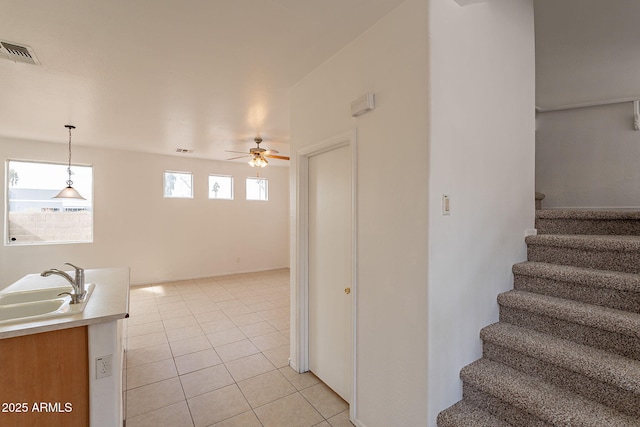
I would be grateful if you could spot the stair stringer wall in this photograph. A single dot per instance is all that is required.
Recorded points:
(481, 136)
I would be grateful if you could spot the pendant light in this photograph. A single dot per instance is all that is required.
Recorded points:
(69, 192)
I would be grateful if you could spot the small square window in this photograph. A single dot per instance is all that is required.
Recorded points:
(221, 187)
(178, 184)
(257, 189)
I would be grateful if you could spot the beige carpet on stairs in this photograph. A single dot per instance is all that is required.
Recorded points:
(566, 351)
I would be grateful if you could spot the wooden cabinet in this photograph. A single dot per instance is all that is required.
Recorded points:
(44, 379)
(48, 366)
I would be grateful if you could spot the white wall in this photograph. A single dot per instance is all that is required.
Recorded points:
(390, 60)
(482, 155)
(586, 50)
(588, 158)
(160, 239)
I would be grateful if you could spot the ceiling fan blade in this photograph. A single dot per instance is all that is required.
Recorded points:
(270, 151)
(239, 152)
(238, 157)
(277, 157)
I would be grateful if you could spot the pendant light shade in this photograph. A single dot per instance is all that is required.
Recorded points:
(69, 192)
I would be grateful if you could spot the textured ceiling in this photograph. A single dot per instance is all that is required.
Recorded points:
(152, 76)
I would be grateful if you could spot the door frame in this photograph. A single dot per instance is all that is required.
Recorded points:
(347, 139)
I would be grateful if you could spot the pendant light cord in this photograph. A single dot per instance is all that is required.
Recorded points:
(69, 182)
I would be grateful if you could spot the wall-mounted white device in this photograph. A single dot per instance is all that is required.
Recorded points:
(446, 204)
(104, 366)
(363, 104)
(468, 2)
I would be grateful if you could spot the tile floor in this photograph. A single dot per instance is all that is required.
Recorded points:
(214, 352)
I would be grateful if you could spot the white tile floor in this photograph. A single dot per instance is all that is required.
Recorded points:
(214, 352)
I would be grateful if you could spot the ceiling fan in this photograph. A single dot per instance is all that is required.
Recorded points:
(258, 155)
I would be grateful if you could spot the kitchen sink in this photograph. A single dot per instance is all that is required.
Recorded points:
(34, 295)
(25, 310)
(39, 304)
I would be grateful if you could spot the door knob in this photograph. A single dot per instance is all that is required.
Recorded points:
(347, 291)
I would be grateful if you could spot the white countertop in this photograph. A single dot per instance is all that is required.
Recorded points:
(109, 301)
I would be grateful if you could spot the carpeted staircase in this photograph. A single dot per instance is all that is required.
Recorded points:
(566, 351)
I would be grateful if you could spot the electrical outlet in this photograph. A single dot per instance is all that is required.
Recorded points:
(104, 366)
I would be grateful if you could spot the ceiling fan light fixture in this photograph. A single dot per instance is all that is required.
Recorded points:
(258, 155)
(258, 162)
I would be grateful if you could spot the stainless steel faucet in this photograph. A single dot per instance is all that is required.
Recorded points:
(77, 284)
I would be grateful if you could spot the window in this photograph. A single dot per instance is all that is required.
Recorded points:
(257, 189)
(178, 184)
(34, 216)
(221, 187)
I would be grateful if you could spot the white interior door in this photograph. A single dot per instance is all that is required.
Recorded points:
(330, 268)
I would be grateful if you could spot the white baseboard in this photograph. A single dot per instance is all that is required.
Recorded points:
(204, 276)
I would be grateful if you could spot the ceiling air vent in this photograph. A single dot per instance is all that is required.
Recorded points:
(18, 53)
(184, 150)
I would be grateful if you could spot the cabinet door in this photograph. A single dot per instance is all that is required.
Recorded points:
(44, 379)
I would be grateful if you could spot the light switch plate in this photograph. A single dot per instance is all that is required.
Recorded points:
(446, 204)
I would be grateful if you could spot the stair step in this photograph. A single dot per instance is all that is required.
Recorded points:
(567, 349)
(614, 253)
(605, 222)
(595, 374)
(527, 400)
(464, 414)
(600, 327)
(599, 287)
